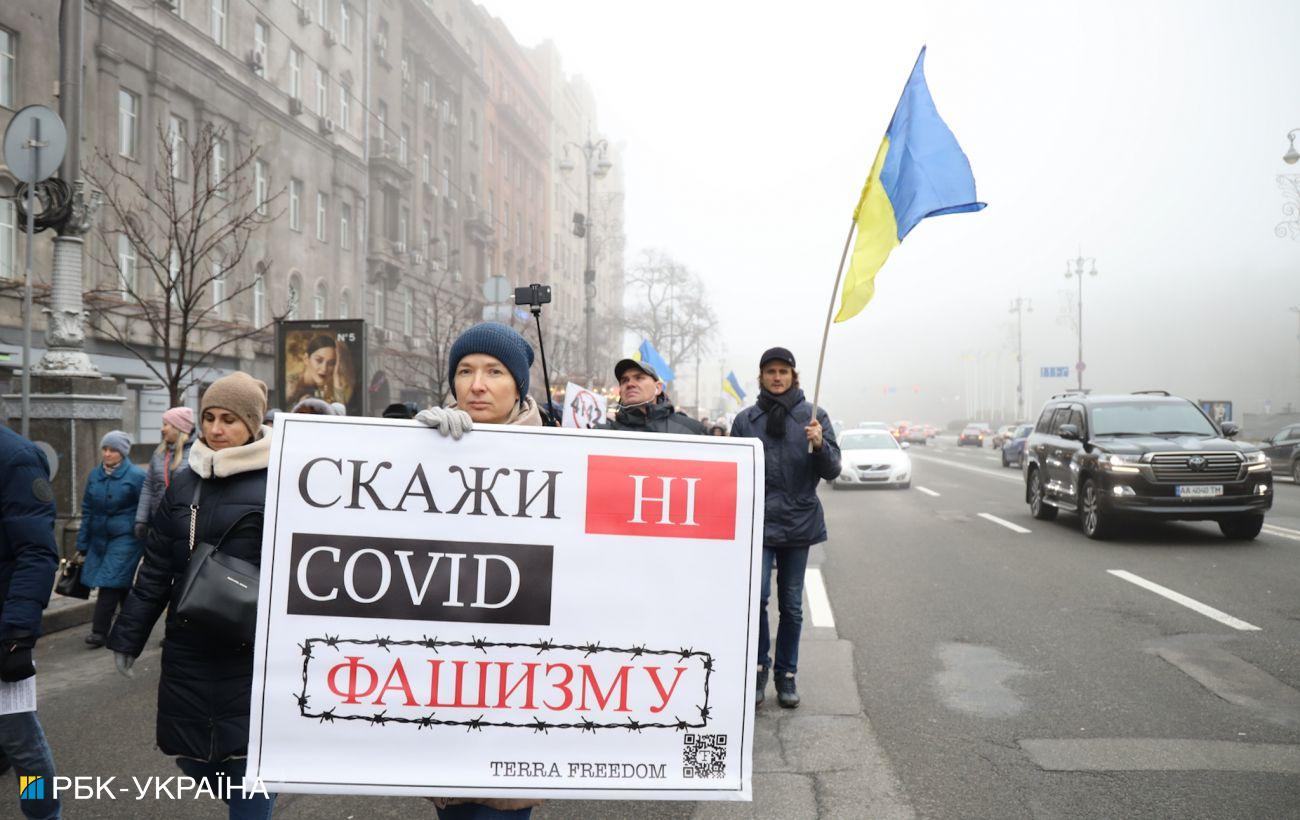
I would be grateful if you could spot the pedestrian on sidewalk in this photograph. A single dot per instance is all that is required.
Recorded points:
(798, 451)
(28, 560)
(489, 377)
(644, 406)
(107, 539)
(167, 460)
(207, 676)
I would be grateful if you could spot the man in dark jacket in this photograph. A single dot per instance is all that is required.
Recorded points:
(798, 451)
(644, 407)
(28, 559)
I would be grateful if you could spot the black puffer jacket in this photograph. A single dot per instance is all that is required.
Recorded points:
(660, 417)
(792, 513)
(206, 682)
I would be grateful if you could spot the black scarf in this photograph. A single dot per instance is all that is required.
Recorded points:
(777, 407)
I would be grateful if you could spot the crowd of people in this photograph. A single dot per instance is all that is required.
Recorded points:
(206, 482)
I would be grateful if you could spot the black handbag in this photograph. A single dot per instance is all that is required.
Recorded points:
(218, 591)
(69, 582)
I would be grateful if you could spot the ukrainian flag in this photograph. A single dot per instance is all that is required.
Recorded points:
(731, 386)
(920, 171)
(647, 353)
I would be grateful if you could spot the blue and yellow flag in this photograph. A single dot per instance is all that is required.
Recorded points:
(731, 387)
(647, 353)
(920, 171)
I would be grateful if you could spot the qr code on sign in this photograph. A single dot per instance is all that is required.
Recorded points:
(704, 756)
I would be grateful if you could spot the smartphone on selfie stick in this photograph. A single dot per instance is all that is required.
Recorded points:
(535, 296)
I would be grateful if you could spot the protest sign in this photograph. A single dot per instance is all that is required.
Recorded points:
(523, 612)
(582, 407)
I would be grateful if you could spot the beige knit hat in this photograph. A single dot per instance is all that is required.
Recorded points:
(242, 395)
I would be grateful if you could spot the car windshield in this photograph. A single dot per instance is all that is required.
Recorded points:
(973, 429)
(868, 441)
(1024, 430)
(1150, 418)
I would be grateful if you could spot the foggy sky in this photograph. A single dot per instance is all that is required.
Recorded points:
(1147, 134)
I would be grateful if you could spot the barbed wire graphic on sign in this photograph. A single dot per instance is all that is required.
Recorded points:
(541, 646)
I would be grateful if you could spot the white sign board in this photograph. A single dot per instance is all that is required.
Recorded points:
(582, 407)
(523, 612)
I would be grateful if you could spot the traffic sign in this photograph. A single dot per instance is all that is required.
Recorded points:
(496, 290)
(1054, 372)
(1080, 366)
(34, 143)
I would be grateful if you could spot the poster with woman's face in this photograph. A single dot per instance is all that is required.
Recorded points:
(323, 360)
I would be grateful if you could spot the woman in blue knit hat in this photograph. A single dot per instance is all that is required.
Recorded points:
(107, 539)
(488, 370)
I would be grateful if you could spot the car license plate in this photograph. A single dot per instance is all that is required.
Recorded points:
(1199, 490)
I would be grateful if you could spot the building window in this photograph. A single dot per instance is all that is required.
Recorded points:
(128, 123)
(322, 92)
(220, 152)
(323, 12)
(8, 63)
(491, 144)
(219, 300)
(295, 74)
(425, 163)
(126, 266)
(381, 115)
(345, 24)
(261, 186)
(345, 105)
(380, 311)
(295, 204)
(321, 212)
(259, 301)
(261, 37)
(173, 278)
(295, 295)
(345, 304)
(473, 126)
(345, 226)
(8, 239)
(401, 145)
(408, 313)
(176, 128)
(446, 176)
(217, 21)
(318, 302)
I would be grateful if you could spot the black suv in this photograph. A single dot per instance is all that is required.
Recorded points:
(1147, 455)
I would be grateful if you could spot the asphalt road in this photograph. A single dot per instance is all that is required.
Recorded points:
(1007, 672)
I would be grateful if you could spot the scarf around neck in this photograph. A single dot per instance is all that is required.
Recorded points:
(778, 407)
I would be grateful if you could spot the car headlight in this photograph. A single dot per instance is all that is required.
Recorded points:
(1121, 463)
(1257, 461)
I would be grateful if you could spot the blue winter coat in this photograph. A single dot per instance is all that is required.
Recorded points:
(792, 513)
(107, 536)
(28, 556)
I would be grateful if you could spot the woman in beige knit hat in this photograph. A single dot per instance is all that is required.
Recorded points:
(207, 674)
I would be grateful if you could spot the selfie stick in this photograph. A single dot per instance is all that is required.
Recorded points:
(536, 308)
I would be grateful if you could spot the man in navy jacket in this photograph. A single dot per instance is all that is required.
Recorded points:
(798, 451)
(28, 559)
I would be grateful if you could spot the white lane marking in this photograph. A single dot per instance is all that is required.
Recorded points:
(1190, 603)
(819, 603)
(927, 491)
(1282, 532)
(1003, 522)
(1008, 477)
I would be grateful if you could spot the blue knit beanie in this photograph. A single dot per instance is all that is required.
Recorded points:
(500, 342)
(117, 440)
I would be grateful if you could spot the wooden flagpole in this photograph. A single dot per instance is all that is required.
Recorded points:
(830, 314)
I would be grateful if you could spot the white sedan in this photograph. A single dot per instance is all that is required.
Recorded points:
(872, 457)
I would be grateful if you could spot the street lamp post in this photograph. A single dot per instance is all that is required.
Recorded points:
(597, 165)
(1020, 307)
(1077, 272)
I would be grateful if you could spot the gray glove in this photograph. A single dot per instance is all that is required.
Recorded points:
(124, 663)
(446, 420)
(141, 529)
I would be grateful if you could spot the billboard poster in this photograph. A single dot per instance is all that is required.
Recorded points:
(582, 407)
(322, 359)
(525, 612)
